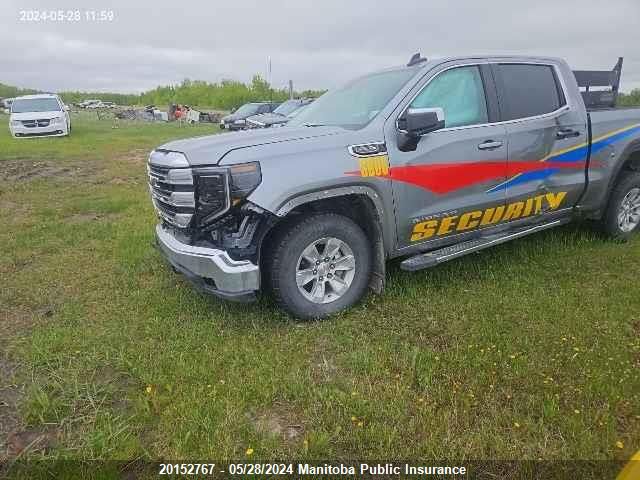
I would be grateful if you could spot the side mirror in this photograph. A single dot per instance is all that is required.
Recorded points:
(416, 122)
(420, 121)
(66, 108)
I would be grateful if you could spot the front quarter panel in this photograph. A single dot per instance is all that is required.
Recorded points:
(321, 165)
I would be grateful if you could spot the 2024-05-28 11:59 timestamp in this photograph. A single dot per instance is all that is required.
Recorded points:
(75, 16)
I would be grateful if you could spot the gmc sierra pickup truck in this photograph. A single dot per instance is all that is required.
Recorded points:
(428, 161)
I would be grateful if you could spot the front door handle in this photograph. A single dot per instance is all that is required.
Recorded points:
(489, 145)
(567, 133)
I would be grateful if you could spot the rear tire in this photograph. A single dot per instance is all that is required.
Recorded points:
(622, 217)
(319, 265)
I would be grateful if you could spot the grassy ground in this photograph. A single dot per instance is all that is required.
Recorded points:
(530, 350)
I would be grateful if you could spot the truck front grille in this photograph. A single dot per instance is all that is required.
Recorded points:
(172, 193)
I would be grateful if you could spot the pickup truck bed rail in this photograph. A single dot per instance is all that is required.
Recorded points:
(598, 99)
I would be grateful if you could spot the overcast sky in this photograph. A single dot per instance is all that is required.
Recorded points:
(317, 44)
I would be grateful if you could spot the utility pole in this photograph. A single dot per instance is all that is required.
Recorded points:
(291, 89)
(269, 77)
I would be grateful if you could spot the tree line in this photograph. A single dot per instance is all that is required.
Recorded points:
(225, 95)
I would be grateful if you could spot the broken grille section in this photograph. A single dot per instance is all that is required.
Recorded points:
(172, 193)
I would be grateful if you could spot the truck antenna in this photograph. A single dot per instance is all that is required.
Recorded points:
(416, 59)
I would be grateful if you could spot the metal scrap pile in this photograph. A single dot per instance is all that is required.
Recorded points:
(149, 114)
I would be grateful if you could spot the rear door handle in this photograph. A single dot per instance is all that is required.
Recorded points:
(567, 133)
(489, 145)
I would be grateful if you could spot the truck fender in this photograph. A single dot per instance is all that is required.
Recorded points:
(382, 237)
(631, 149)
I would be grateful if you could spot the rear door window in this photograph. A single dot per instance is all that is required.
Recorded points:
(528, 90)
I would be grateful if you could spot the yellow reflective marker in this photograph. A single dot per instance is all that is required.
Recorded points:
(631, 471)
(377, 166)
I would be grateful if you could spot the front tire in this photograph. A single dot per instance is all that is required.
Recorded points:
(320, 265)
(622, 218)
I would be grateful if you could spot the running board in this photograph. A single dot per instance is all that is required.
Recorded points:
(436, 257)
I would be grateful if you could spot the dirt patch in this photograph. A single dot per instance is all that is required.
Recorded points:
(20, 319)
(138, 156)
(280, 420)
(30, 440)
(24, 171)
(16, 320)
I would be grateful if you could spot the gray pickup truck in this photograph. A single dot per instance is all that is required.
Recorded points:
(429, 161)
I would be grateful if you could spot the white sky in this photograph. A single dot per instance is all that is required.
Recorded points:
(316, 44)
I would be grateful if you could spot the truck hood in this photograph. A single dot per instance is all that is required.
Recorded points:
(210, 149)
(36, 115)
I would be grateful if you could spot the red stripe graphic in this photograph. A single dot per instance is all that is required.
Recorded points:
(446, 177)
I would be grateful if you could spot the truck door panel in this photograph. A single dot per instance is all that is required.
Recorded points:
(443, 187)
(547, 138)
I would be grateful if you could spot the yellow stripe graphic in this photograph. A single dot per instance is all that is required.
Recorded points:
(576, 147)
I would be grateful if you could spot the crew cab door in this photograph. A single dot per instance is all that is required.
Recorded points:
(547, 139)
(443, 188)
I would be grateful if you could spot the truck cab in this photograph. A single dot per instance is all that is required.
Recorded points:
(428, 161)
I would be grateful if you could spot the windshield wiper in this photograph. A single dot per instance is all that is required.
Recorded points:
(314, 125)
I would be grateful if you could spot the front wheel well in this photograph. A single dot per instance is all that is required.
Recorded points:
(357, 207)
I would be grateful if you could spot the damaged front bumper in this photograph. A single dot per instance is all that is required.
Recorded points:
(211, 270)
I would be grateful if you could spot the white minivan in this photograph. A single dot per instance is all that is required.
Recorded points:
(42, 115)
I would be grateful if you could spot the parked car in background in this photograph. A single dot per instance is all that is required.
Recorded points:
(280, 116)
(238, 119)
(39, 116)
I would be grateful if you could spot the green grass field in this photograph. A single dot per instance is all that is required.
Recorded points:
(530, 350)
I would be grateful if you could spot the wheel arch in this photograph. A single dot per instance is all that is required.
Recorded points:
(361, 204)
(629, 161)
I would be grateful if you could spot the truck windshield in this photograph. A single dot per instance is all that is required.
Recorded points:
(357, 103)
(35, 105)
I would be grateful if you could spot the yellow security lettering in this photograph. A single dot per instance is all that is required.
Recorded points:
(480, 218)
(492, 215)
(446, 225)
(514, 210)
(538, 200)
(424, 230)
(528, 207)
(555, 199)
(469, 220)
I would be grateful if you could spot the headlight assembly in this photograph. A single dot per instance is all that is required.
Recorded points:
(244, 179)
(219, 188)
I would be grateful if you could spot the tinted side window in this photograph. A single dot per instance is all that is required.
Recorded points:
(529, 90)
(460, 93)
